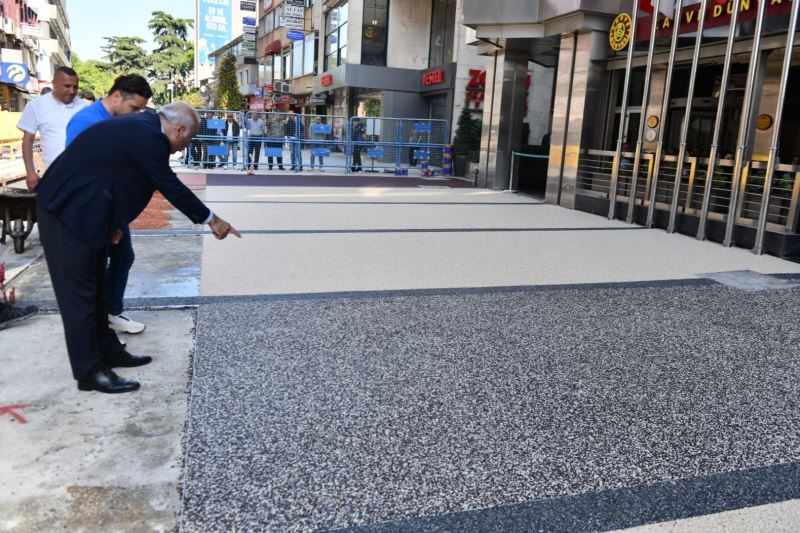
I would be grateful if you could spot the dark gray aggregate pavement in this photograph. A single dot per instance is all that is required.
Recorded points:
(327, 413)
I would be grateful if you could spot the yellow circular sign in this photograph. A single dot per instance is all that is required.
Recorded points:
(652, 121)
(764, 122)
(620, 33)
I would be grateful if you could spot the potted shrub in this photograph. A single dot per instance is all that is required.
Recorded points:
(467, 142)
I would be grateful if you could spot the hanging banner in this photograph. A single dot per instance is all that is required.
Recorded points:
(214, 28)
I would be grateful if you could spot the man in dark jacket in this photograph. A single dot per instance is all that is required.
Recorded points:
(96, 187)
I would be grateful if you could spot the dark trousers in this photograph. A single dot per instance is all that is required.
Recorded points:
(120, 261)
(356, 159)
(253, 153)
(78, 274)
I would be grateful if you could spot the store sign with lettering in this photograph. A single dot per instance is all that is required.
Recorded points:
(718, 13)
(434, 77)
(292, 23)
(476, 89)
(326, 80)
(247, 6)
(294, 8)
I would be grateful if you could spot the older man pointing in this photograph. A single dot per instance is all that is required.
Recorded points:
(95, 188)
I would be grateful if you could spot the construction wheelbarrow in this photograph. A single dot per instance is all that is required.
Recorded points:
(18, 212)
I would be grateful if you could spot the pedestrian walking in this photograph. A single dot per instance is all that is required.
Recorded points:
(255, 129)
(101, 183)
(129, 94)
(48, 115)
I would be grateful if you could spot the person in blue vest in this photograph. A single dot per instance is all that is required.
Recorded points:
(92, 191)
(129, 94)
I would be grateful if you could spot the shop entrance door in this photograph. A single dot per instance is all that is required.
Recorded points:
(633, 118)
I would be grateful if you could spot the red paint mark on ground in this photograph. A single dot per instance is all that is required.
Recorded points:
(11, 410)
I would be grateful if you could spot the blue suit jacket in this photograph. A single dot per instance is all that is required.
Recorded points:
(107, 175)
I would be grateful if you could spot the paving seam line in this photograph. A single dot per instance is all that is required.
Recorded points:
(189, 302)
(195, 233)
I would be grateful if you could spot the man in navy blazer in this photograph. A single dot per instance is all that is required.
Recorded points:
(96, 187)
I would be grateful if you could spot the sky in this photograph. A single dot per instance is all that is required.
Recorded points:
(91, 20)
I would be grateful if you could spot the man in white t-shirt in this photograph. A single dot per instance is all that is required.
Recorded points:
(49, 116)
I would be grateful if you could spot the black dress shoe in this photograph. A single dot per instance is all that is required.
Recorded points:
(124, 359)
(107, 381)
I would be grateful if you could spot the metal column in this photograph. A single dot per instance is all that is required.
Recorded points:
(662, 125)
(673, 212)
(744, 125)
(776, 131)
(612, 194)
(723, 92)
(645, 98)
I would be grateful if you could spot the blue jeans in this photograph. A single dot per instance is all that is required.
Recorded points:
(297, 156)
(119, 265)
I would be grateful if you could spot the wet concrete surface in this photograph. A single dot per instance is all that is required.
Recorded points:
(164, 266)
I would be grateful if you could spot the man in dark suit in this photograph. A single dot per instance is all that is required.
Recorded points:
(96, 187)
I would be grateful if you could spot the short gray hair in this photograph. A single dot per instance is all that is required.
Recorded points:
(181, 114)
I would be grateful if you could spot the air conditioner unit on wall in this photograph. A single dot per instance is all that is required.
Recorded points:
(285, 87)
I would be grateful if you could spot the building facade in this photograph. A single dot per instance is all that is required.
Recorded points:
(35, 34)
(410, 59)
(686, 125)
(404, 58)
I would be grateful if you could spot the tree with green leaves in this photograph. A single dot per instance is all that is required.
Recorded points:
(95, 76)
(125, 55)
(193, 98)
(227, 94)
(173, 59)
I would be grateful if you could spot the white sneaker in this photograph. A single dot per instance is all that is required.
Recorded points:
(124, 324)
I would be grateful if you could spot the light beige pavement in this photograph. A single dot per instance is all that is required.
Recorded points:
(783, 517)
(325, 252)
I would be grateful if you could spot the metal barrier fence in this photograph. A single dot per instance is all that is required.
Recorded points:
(694, 197)
(292, 141)
(219, 142)
(397, 144)
(289, 141)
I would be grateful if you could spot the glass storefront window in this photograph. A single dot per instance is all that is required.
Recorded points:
(374, 32)
(297, 59)
(443, 23)
(309, 53)
(336, 36)
(277, 68)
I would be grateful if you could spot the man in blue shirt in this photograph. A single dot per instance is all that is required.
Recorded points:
(129, 94)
